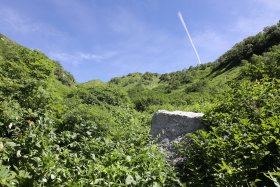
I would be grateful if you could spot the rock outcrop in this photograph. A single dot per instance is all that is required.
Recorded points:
(167, 126)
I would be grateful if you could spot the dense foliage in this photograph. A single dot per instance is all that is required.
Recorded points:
(244, 50)
(193, 89)
(55, 132)
(242, 147)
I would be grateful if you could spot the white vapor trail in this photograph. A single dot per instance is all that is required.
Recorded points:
(186, 29)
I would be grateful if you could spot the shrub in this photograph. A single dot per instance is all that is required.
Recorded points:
(243, 142)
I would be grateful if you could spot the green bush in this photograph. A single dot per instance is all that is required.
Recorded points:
(243, 142)
(145, 99)
(267, 65)
(101, 95)
(196, 86)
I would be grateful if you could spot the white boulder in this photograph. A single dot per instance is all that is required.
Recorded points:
(169, 126)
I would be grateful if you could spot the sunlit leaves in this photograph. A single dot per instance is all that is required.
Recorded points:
(243, 141)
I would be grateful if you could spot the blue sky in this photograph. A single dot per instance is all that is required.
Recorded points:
(102, 39)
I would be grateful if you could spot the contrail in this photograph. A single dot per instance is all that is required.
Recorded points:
(186, 29)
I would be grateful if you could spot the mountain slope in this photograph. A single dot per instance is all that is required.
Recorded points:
(197, 88)
(55, 132)
(242, 145)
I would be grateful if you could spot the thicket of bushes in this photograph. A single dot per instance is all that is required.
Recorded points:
(242, 147)
(55, 132)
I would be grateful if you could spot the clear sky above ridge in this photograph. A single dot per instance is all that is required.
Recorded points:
(102, 39)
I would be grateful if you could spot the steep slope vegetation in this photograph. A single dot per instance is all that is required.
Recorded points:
(55, 132)
(240, 94)
(242, 146)
(193, 89)
(197, 88)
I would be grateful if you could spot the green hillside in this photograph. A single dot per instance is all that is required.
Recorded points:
(196, 89)
(55, 132)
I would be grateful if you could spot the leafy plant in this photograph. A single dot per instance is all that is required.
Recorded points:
(243, 142)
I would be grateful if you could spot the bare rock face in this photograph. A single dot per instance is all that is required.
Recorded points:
(168, 126)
